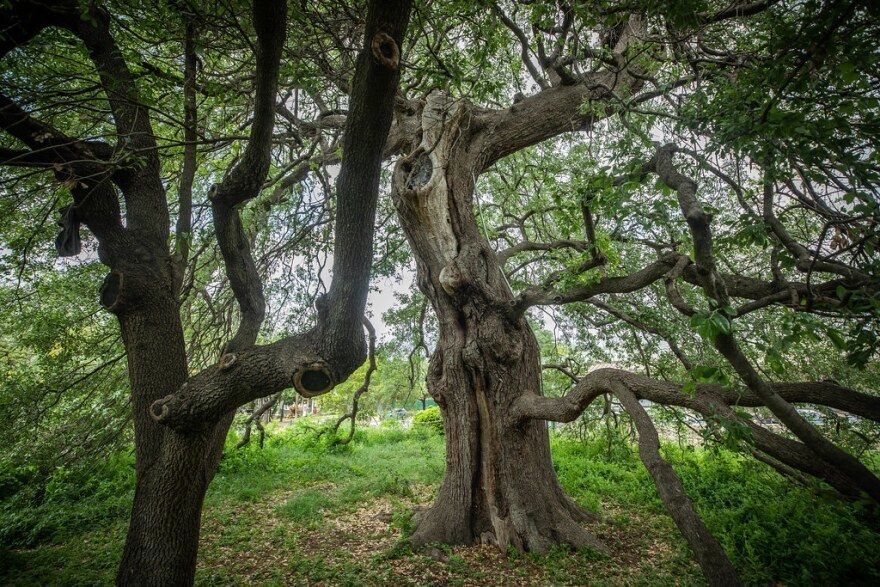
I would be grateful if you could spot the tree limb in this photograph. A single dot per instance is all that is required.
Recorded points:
(316, 360)
(712, 558)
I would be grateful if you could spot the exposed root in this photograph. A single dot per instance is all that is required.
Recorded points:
(441, 523)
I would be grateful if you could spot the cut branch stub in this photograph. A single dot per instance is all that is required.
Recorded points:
(159, 410)
(313, 380)
(111, 292)
(385, 51)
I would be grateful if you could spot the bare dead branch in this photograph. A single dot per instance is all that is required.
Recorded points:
(351, 416)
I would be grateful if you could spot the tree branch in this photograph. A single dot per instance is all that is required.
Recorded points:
(595, 383)
(698, 222)
(712, 558)
(313, 362)
(183, 231)
(245, 180)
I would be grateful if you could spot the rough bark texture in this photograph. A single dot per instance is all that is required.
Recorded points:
(173, 471)
(500, 486)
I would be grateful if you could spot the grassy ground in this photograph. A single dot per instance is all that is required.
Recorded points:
(298, 512)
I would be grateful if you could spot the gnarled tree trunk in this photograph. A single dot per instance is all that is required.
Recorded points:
(500, 486)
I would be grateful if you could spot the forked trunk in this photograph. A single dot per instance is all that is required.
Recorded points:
(500, 486)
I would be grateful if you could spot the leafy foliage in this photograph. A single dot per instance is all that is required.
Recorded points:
(430, 419)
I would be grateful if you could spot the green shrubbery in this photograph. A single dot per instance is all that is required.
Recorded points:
(773, 530)
(429, 419)
(51, 508)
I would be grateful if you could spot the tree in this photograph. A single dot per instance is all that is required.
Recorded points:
(663, 180)
(485, 371)
(181, 420)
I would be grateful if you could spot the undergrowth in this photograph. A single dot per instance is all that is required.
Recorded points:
(69, 529)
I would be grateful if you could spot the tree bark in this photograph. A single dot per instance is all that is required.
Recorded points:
(172, 470)
(500, 487)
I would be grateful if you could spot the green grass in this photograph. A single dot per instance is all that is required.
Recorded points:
(772, 530)
(303, 510)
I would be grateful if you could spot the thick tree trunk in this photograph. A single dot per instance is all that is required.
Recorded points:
(172, 470)
(500, 486)
(163, 535)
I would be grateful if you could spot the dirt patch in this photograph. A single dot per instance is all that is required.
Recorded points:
(367, 546)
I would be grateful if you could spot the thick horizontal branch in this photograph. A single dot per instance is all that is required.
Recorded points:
(714, 401)
(49, 146)
(560, 108)
(25, 158)
(24, 20)
(241, 377)
(538, 296)
(737, 10)
(762, 293)
(568, 407)
(544, 115)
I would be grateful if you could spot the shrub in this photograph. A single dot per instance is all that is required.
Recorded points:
(429, 419)
(64, 503)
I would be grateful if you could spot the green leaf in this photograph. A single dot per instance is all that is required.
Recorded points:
(836, 339)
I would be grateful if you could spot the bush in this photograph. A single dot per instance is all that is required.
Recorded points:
(37, 509)
(429, 419)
